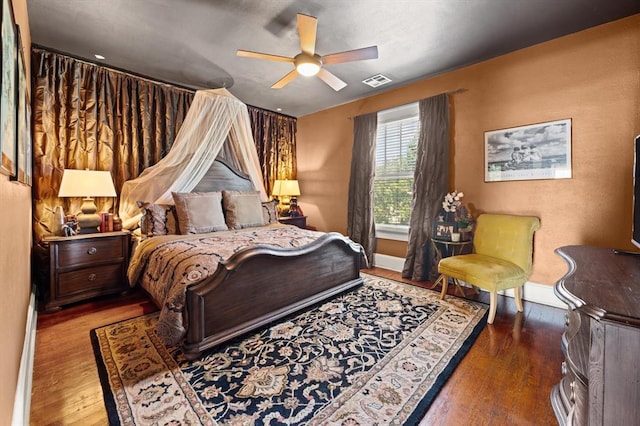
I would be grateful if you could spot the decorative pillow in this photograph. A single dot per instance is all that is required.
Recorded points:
(157, 219)
(270, 211)
(242, 209)
(199, 212)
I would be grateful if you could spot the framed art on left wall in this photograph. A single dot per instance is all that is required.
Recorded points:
(23, 140)
(8, 98)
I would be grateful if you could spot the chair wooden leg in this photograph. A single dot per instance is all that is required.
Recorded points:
(517, 297)
(493, 304)
(459, 286)
(445, 283)
(435, 283)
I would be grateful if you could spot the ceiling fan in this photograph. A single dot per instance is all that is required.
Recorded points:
(308, 62)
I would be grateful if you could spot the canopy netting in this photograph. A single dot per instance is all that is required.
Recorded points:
(215, 119)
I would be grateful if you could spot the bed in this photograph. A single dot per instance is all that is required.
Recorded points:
(225, 292)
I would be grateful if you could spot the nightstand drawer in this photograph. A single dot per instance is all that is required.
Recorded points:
(85, 266)
(89, 251)
(84, 281)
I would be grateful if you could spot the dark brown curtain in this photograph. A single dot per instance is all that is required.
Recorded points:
(275, 138)
(360, 219)
(431, 182)
(90, 117)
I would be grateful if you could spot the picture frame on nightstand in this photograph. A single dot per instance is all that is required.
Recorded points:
(444, 230)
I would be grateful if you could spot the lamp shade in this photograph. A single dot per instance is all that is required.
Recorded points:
(286, 187)
(86, 183)
(276, 188)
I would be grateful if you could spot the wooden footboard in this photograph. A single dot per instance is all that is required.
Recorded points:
(261, 284)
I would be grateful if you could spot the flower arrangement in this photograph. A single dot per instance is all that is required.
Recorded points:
(456, 211)
(452, 201)
(463, 218)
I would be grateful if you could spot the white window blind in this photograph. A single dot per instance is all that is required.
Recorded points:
(396, 144)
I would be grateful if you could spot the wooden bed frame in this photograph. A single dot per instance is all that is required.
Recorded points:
(260, 284)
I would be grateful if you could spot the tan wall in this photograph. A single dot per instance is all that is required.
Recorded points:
(592, 77)
(15, 263)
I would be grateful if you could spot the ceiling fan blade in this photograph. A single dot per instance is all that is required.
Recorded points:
(370, 52)
(333, 81)
(307, 28)
(285, 80)
(258, 55)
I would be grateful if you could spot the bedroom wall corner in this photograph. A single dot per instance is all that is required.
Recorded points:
(15, 262)
(589, 76)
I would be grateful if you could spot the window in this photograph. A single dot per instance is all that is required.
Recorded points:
(396, 147)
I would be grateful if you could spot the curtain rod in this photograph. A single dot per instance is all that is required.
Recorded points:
(112, 68)
(134, 75)
(450, 92)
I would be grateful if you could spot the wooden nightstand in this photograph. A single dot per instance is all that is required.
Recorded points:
(299, 221)
(85, 266)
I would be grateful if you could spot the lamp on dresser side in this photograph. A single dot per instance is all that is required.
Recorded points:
(287, 191)
(87, 184)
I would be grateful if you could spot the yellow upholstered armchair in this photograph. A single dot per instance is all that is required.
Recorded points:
(502, 257)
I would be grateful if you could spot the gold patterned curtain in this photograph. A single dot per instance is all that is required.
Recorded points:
(90, 117)
(275, 138)
(86, 116)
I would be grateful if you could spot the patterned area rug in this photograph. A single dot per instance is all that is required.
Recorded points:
(378, 354)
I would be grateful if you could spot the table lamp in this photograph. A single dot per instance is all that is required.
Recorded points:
(287, 192)
(87, 184)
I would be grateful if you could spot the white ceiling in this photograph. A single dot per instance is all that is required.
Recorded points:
(193, 42)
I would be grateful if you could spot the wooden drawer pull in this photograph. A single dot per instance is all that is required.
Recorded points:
(92, 250)
(92, 277)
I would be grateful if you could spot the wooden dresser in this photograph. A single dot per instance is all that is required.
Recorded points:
(85, 266)
(601, 343)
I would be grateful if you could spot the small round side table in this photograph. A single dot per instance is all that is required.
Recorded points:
(445, 248)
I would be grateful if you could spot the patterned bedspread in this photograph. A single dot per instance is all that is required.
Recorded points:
(166, 265)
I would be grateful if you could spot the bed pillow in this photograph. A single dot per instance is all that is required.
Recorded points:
(242, 209)
(157, 219)
(199, 212)
(270, 211)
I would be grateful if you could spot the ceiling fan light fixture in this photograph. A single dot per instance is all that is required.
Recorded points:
(307, 65)
(308, 70)
(307, 62)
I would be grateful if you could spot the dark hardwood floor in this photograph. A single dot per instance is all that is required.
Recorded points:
(505, 379)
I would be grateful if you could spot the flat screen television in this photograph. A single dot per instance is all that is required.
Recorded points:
(636, 194)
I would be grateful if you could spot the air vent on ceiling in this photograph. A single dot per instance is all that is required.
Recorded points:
(376, 80)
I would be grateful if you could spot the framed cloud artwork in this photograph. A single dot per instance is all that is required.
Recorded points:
(534, 151)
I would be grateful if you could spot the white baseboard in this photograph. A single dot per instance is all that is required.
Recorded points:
(533, 292)
(22, 401)
(538, 293)
(388, 262)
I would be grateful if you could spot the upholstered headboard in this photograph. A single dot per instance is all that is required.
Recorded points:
(223, 176)
(241, 204)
